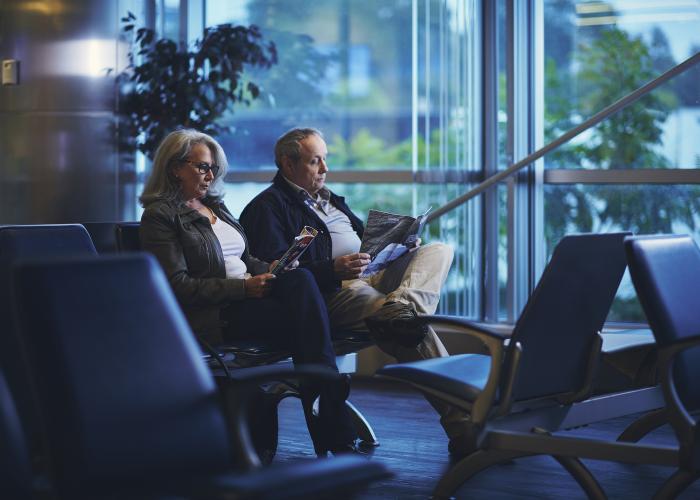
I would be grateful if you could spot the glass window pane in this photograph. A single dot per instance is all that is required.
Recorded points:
(641, 209)
(460, 229)
(502, 252)
(343, 67)
(394, 198)
(596, 53)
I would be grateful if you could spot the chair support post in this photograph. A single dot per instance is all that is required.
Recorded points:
(582, 476)
(364, 430)
(468, 467)
(582, 447)
(675, 484)
(643, 426)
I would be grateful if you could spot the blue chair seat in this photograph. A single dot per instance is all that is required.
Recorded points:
(463, 376)
(626, 340)
(260, 352)
(250, 346)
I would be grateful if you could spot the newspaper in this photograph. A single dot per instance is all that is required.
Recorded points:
(389, 236)
(300, 244)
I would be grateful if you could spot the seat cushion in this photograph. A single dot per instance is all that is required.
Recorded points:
(351, 336)
(463, 376)
(627, 339)
(251, 347)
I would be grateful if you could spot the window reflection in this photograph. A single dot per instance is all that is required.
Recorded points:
(597, 52)
(642, 209)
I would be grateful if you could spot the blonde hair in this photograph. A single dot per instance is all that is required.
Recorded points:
(162, 183)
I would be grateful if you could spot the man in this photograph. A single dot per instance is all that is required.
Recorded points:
(387, 302)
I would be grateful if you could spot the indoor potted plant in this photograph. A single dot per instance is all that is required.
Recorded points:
(167, 86)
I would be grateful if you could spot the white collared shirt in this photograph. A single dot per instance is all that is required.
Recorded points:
(343, 237)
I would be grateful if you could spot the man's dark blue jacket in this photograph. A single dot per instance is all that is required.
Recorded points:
(277, 215)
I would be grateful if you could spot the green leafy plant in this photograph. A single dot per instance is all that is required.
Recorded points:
(167, 86)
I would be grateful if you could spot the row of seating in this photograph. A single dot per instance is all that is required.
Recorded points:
(110, 386)
(539, 380)
(124, 237)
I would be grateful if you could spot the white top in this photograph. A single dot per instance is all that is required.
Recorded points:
(232, 246)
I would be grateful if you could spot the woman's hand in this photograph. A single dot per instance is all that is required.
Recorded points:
(259, 286)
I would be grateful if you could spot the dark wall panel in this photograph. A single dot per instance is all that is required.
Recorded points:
(58, 154)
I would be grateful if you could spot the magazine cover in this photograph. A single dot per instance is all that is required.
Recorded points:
(389, 236)
(298, 247)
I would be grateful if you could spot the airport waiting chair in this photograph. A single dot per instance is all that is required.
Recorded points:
(103, 236)
(127, 236)
(30, 242)
(665, 271)
(539, 379)
(131, 408)
(15, 464)
(251, 352)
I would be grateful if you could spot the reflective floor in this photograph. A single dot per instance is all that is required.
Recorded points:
(414, 447)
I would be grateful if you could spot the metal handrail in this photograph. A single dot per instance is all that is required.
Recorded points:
(592, 121)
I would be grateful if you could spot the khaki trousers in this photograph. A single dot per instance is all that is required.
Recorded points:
(417, 279)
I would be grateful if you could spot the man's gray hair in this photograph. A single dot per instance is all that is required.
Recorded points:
(163, 184)
(288, 145)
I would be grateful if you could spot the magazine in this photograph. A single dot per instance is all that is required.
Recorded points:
(300, 244)
(389, 236)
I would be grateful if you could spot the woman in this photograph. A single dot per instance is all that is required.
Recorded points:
(225, 292)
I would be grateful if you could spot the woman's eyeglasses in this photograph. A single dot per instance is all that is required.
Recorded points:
(203, 167)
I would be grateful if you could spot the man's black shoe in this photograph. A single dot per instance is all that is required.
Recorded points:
(398, 322)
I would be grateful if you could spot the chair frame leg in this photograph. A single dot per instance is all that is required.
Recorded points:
(364, 430)
(583, 476)
(675, 484)
(643, 426)
(362, 426)
(480, 460)
(469, 466)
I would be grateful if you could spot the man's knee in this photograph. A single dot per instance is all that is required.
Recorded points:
(437, 252)
(439, 248)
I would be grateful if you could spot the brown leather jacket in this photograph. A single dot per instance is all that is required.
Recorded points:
(189, 252)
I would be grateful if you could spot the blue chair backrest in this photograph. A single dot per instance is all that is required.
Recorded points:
(15, 469)
(125, 391)
(102, 236)
(569, 305)
(666, 275)
(128, 239)
(30, 242)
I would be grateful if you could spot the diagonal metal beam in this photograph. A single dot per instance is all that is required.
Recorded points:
(591, 122)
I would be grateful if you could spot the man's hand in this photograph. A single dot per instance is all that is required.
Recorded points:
(414, 245)
(259, 286)
(350, 266)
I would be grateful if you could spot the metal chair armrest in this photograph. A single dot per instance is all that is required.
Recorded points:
(269, 373)
(679, 416)
(493, 341)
